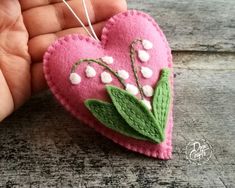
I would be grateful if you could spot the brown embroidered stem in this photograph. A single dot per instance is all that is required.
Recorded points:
(99, 62)
(133, 57)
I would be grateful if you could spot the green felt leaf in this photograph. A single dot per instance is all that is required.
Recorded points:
(107, 114)
(161, 99)
(135, 113)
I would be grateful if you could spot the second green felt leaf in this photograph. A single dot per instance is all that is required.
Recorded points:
(135, 113)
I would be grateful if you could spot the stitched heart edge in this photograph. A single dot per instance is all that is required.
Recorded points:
(161, 153)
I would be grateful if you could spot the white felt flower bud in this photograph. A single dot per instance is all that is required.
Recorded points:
(108, 59)
(147, 104)
(147, 44)
(123, 74)
(143, 55)
(106, 78)
(148, 91)
(90, 72)
(75, 78)
(132, 89)
(146, 72)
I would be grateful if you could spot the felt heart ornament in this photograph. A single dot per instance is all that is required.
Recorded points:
(121, 86)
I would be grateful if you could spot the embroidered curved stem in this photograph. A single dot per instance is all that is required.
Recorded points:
(99, 62)
(133, 57)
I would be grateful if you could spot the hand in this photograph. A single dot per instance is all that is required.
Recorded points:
(27, 28)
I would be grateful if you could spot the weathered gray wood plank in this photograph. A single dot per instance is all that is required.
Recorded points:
(41, 145)
(194, 25)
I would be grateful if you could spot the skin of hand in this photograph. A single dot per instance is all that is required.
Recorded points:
(27, 28)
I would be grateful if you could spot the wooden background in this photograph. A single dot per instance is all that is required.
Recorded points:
(41, 145)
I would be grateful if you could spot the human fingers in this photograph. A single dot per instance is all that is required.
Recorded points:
(51, 18)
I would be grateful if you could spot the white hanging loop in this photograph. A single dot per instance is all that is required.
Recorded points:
(80, 21)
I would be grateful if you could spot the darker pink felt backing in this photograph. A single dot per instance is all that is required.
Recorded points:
(117, 36)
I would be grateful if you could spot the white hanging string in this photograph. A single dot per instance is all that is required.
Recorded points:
(88, 19)
(80, 21)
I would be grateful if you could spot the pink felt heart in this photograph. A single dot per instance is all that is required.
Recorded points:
(119, 32)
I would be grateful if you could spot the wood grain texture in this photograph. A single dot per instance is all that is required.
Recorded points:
(41, 145)
(194, 25)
